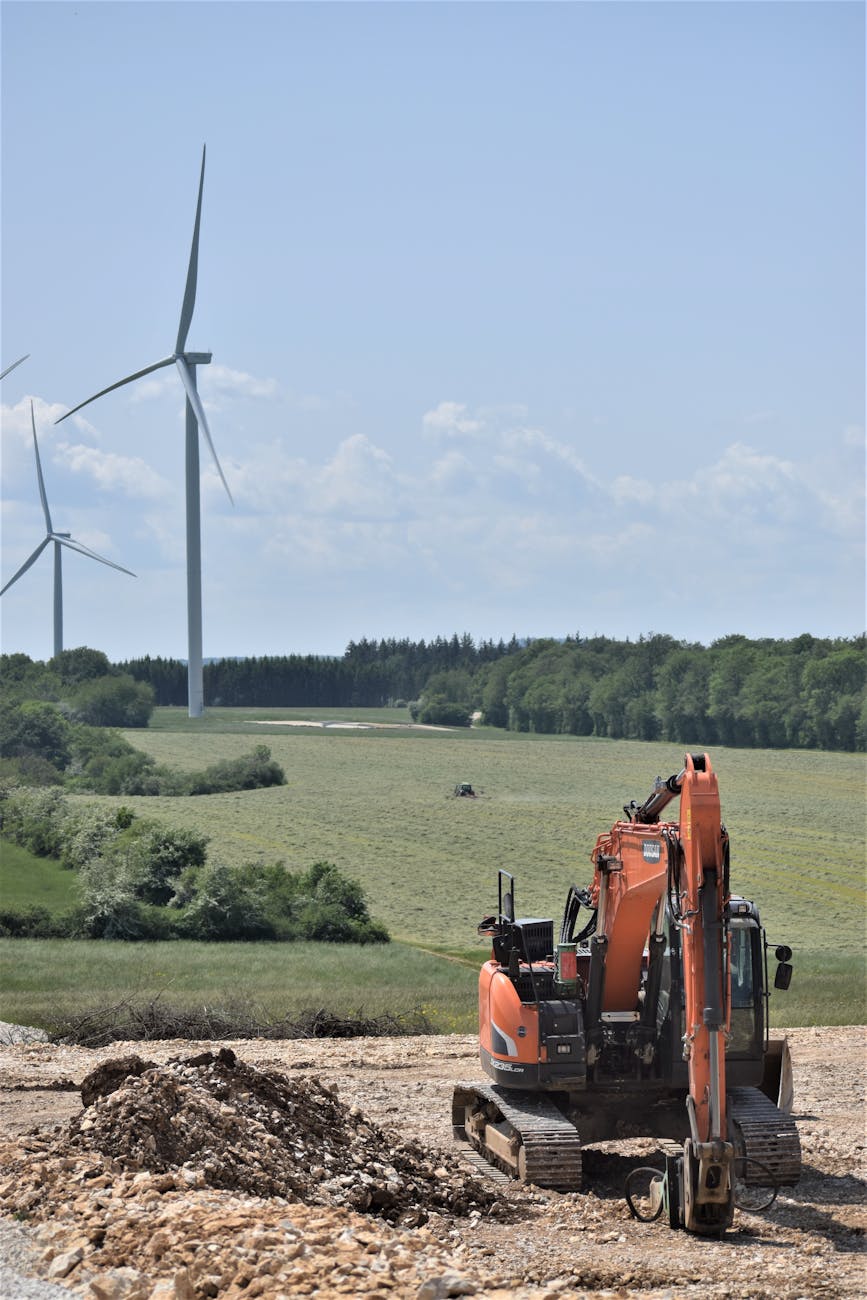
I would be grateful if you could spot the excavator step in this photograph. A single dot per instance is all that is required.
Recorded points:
(765, 1135)
(548, 1148)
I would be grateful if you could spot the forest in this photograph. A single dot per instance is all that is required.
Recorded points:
(804, 693)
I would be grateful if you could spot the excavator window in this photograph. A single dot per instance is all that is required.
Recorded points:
(742, 968)
(745, 1005)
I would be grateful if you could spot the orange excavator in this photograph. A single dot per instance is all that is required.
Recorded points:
(650, 1019)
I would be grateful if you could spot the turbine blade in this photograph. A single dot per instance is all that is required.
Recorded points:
(196, 403)
(120, 383)
(85, 550)
(8, 369)
(43, 498)
(27, 563)
(192, 270)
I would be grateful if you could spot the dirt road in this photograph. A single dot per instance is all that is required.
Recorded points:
(114, 1230)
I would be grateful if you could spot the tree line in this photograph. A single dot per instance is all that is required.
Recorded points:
(803, 693)
(369, 674)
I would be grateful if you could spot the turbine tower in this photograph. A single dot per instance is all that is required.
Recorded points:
(60, 540)
(186, 363)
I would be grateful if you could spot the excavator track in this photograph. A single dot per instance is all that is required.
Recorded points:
(763, 1133)
(547, 1146)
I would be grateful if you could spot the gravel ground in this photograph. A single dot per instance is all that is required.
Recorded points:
(551, 1246)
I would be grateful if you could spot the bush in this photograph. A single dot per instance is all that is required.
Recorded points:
(229, 903)
(35, 728)
(110, 908)
(330, 907)
(29, 769)
(440, 712)
(80, 664)
(253, 771)
(88, 832)
(35, 819)
(156, 857)
(31, 923)
(113, 702)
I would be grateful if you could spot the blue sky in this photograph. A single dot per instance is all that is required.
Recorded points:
(531, 318)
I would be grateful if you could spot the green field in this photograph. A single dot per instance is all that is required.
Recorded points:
(378, 803)
(28, 881)
(48, 980)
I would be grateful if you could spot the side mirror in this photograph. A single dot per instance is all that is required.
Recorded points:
(783, 977)
(783, 952)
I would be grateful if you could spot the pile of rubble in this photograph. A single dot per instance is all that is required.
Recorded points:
(214, 1121)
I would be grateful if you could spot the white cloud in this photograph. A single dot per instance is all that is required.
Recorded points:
(451, 420)
(236, 382)
(110, 472)
(561, 451)
(151, 387)
(358, 480)
(16, 419)
(626, 489)
(452, 472)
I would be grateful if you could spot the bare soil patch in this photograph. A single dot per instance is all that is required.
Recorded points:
(210, 1179)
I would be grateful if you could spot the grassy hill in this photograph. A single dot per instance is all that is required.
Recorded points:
(378, 803)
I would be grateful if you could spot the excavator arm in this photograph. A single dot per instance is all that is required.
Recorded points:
(697, 892)
(708, 1196)
(640, 865)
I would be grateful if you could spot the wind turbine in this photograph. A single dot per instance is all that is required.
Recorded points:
(186, 363)
(60, 540)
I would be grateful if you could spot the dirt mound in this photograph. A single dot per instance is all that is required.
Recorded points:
(224, 1124)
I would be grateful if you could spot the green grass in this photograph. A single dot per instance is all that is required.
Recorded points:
(44, 981)
(378, 803)
(50, 979)
(28, 881)
(828, 988)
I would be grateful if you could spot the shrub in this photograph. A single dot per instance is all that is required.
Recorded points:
(229, 903)
(30, 923)
(118, 701)
(35, 819)
(29, 769)
(36, 728)
(332, 908)
(156, 856)
(80, 664)
(110, 908)
(438, 711)
(252, 771)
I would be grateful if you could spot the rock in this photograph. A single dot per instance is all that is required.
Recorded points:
(178, 1287)
(447, 1284)
(213, 1120)
(119, 1284)
(64, 1263)
(106, 1078)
